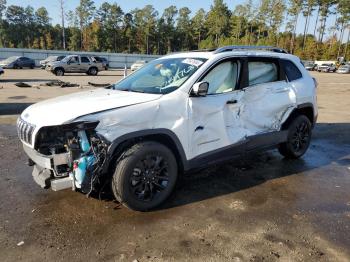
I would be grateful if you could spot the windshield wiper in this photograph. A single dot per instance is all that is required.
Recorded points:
(136, 91)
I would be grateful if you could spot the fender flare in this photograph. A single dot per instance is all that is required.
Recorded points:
(144, 134)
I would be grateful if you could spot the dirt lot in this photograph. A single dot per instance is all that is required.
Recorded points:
(260, 208)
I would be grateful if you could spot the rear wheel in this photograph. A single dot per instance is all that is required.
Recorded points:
(145, 176)
(92, 71)
(299, 137)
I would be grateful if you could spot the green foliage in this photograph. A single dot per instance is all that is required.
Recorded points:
(143, 30)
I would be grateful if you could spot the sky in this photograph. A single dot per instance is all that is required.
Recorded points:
(53, 7)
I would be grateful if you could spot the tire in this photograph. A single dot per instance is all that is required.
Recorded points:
(59, 72)
(31, 66)
(145, 177)
(299, 137)
(92, 71)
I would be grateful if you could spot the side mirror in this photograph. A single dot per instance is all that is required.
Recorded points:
(200, 89)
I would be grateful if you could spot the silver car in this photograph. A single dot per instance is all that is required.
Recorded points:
(344, 69)
(137, 65)
(49, 59)
(75, 64)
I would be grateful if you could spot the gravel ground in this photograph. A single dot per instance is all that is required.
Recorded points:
(258, 208)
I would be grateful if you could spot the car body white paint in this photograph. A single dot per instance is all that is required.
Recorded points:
(258, 110)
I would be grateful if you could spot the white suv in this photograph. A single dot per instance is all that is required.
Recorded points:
(177, 113)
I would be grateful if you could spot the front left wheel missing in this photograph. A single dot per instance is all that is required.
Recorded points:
(145, 176)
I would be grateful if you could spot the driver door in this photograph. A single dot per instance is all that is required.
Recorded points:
(213, 118)
(73, 65)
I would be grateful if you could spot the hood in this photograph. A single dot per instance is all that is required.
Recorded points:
(62, 109)
(55, 63)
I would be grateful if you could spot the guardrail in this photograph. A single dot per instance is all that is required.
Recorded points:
(116, 60)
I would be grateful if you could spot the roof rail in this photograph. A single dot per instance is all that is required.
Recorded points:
(248, 47)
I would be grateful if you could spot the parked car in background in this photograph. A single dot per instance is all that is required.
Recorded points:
(16, 62)
(102, 60)
(75, 64)
(1, 71)
(49, 59)
(137, 65)
(344, 69)
(327, 68)
(310, 66)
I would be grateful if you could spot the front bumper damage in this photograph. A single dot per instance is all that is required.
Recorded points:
(67, 156)
(46, 166)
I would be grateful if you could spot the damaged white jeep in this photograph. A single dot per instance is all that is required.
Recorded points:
(177, 113)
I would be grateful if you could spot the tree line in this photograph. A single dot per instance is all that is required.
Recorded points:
(144, 30)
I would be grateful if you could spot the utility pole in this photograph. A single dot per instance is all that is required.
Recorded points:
(63, 29)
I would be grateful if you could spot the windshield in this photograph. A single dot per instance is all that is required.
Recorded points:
(11, 59)
(160, 76)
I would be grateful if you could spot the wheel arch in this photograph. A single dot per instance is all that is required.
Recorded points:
(59, 67)
(163, 136)
(306, 109)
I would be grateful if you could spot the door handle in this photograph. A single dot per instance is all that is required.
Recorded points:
(230, 102)
(281, 89)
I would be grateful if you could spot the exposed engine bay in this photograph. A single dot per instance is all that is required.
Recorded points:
(77, 155)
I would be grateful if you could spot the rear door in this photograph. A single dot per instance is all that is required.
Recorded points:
(85, 64)
(266, 97)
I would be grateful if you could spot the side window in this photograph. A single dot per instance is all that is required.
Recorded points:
(223, 77)
(84, 59)
(261, 72)
(292, 72)
(74, 60)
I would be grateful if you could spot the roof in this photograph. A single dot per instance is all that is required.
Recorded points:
(233, 50)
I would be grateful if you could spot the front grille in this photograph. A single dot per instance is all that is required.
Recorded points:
(25, 130)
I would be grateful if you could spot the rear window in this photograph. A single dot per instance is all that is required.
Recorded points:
(292, 72)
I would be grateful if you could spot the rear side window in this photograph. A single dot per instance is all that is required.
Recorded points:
(84, 59)
(292, 72)
(261, 72)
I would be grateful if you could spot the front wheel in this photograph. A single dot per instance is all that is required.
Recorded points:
(59, 72)
(145, 177)
(299, 137)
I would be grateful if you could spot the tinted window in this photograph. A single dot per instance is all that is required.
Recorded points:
(262, 72)
(291, 70)
(222, 78)
(84, 59)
